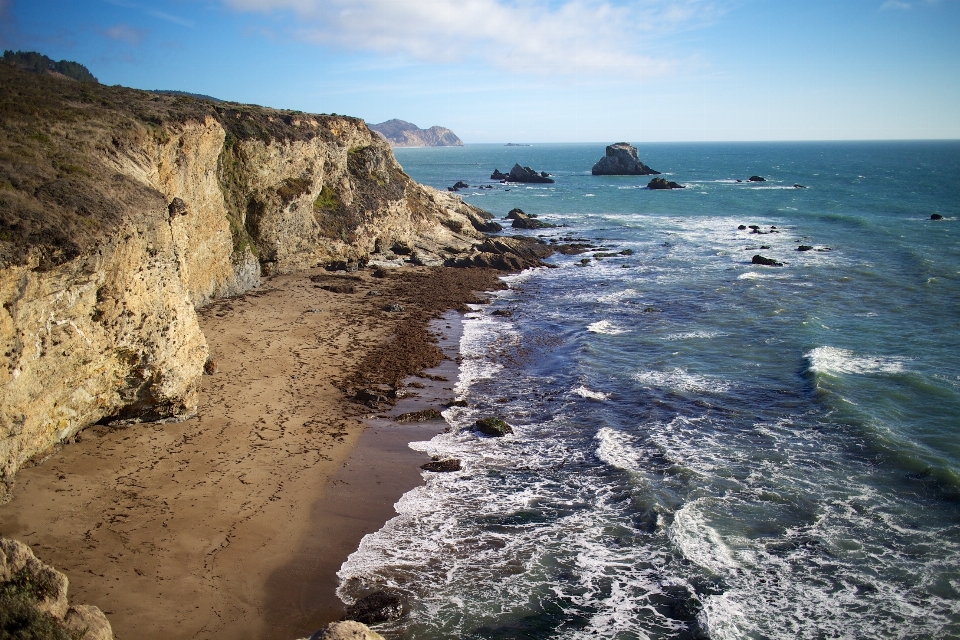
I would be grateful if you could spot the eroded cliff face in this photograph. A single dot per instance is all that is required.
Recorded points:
(122, 211)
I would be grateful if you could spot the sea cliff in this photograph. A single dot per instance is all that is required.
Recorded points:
(123, 211)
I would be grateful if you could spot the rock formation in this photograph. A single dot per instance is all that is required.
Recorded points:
(122, 211)
(522, 174)
(622, 160)
(662, 183)
(400, 133)
(346, 630)
(33, 600)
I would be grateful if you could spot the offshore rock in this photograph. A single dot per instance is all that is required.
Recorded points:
(506, 254)
(523, 221)
(494, 427)
(523, 174)
(757, 179)
(661, 183)
(768, 262)
(622, 159)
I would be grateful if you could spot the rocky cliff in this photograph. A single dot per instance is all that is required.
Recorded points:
(122, 211)
(400, 133)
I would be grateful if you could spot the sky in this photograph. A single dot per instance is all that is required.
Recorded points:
(537, 70)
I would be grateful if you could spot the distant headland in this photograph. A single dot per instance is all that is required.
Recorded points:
(400, 133)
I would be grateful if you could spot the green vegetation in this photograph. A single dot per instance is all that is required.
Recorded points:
(19, 617)
(327, 200)
(38, 63)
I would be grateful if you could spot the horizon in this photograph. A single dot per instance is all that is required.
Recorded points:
(537, 71)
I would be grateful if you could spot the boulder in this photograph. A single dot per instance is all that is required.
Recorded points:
(804, 247)
(442, 466)
(419, 416)
(757, 179)
(381, 606)
(494, 427)
(621, 160)
(499, 175)
(88, 622)
(346, 630)
(523, 221)
(936, 216)
(742, 227)
(661, 183)
(769, 262)
(799, 186)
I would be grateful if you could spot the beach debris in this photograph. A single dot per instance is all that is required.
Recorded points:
(419, 416)
(442, 466)
(768, 262)
(381, 606)
(621, 159)
(662, 183)
(346, 630)
(494, 427)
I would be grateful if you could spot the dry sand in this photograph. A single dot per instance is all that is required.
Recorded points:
(232, 524)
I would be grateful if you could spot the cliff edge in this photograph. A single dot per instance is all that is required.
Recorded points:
(122, 211)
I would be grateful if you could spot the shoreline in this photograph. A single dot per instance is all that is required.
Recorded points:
(189, 529)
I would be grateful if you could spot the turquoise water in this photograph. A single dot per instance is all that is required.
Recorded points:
(704, 448)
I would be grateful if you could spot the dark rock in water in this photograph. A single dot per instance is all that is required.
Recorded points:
(442, 466)
(457, 403)
(804, 247)
(799, 186)
(621, 160)
(494, 427)
(936, 216)
(626, 252)
(523, 174)
(374, 396)
(512, 215)
(381, 606)
(574, 248)
(661, 183)
(764, 246)
(739, 180)
(742, 227)
(523, 221)
(769, 262)
(503, 313)
(584, 262)
(461, 185)
(757, 179)
(498, 175)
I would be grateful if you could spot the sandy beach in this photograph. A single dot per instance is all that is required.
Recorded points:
(233, 523)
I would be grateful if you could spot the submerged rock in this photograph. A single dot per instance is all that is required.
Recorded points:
(381, 606)
(522, 174)
(769, 262)
(805, 247)
(621, 160)
(494, 427)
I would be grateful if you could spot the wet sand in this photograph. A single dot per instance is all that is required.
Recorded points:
(228, 525)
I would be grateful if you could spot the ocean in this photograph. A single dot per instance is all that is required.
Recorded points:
(704, 447)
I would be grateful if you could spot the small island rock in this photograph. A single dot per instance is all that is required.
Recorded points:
(768, 262)
(522, 174)
(757, 179)
(622, 160)
(936, 216)
(661, 183)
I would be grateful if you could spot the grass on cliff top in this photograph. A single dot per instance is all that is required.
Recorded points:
(59, 195)
(19, 617)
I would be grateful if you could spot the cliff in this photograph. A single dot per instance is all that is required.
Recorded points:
(400, 133)
(122, 211)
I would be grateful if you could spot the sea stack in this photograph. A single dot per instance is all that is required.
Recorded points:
(622, 160)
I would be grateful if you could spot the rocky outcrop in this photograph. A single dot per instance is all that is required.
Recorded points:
(767, 262)
(506, 254)
(380, 606)
(662, 183)
(622, 159)
(400, 133)
(346, 630)
(123, 211)
(33, 600)
(522, 174)
(494, 427)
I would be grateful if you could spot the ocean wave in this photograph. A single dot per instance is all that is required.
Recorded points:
(680, 380)
(583, 392)
(616, 449)
(699, 542)
(617, 296)
(834, 360)
(606, 327)
(691, 335)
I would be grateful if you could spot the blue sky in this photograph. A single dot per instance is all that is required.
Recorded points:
(537, 71)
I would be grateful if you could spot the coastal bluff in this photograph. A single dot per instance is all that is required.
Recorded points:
(400, 133)
(122, 212)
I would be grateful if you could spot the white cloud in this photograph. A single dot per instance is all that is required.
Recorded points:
(571, 36)
(125, 33)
